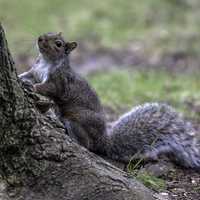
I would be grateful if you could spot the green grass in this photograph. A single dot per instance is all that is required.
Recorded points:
(119, 89)
(160, 24)
(148, 179)
(151, 181)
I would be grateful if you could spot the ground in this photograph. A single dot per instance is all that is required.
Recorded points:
(184, 184)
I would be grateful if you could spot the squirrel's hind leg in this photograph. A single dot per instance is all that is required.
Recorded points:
(27, 77)
(76, 132)
(68, 128)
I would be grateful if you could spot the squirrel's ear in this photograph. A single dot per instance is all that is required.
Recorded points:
(70, 46)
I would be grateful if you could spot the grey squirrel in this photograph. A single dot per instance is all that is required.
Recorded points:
(79, 108)
(147, 131)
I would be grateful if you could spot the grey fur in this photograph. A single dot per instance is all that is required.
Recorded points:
(153, 130)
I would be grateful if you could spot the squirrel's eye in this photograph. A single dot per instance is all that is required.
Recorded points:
(58, 43)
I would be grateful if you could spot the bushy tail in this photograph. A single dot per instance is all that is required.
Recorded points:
(154, 130)
(182, 149)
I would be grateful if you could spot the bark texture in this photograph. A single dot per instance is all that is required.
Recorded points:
(39, 161)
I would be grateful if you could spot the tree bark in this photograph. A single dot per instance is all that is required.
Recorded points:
(39, 161)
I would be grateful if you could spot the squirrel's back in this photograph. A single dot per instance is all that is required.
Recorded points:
(152, 130)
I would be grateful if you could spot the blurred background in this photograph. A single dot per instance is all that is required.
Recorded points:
(131, 51)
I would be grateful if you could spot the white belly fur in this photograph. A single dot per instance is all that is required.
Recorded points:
(41, 70)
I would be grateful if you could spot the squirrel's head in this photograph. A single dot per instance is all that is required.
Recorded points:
(54, 47)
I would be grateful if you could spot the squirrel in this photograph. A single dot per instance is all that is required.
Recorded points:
(147, 131)
(77, 104)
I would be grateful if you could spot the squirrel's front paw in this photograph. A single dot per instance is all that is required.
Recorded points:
(36, 87)
(40, 88)
(27, 85)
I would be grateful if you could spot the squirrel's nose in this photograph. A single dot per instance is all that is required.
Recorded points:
(40, 39)
(43, 41)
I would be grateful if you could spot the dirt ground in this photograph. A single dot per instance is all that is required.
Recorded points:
(184, 185)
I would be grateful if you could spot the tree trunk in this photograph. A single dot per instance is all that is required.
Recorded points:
(39, 161)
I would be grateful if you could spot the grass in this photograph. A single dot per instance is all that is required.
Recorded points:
(148, 179)
(151, 181)
(160, 24)
(119, 89)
